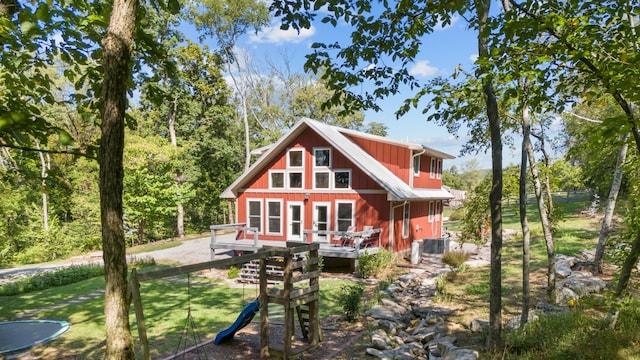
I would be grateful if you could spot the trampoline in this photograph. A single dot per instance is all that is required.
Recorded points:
(22, 335)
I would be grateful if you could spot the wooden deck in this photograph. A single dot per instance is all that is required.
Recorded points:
(351, 249)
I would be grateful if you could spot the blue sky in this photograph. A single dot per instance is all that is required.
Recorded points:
(444, 49)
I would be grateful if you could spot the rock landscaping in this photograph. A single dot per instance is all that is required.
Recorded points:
(409, 326)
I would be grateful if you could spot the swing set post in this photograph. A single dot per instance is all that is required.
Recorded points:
(134, 288)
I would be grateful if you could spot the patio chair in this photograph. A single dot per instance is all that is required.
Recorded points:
(347, 239)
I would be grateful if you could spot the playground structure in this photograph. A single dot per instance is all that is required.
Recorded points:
(299, 295)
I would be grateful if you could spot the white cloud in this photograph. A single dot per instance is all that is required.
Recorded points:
(274, 35)
(422, 68)
(473, 57)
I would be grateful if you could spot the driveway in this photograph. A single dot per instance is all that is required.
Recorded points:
(188, 252)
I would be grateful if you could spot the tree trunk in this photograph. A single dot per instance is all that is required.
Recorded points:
(547, 178)
(495, 342)
(46, 165)
(524, 223)
(174, 141)
(611, 203)
(117, 44)
(141, 226)
(546, 226)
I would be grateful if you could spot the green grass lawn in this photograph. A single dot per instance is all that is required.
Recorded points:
(166, 303)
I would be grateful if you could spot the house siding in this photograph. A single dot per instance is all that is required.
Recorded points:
(371, 205)
(395, 158)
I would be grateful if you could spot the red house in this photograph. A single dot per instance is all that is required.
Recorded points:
(321, 182)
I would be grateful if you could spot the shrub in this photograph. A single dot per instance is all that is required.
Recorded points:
(233, 273)
(351, 299)
(46, 279)
(456, 259)
(372, 265)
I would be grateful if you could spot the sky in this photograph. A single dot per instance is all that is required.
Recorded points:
(445, 48)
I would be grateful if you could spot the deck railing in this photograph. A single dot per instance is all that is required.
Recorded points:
(353, 239)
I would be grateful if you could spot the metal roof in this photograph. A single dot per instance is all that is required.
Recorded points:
(397, 189)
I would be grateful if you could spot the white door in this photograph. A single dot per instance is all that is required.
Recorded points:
(321, 220)
(295, 217)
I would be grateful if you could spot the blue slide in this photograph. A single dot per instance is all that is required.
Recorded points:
(243, 320)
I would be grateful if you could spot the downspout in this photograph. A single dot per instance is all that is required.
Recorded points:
(392, 222)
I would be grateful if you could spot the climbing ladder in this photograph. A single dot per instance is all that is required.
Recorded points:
(298, 294)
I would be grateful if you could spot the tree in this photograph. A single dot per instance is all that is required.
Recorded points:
(117, 44)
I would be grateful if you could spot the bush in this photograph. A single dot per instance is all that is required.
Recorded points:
(233, 273)
(46, 279)
(456, 259)
(372, 265)
(351, 299)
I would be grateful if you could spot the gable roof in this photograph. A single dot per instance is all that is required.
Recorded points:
(395, 187)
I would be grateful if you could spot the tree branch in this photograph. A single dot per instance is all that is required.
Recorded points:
(49, 151)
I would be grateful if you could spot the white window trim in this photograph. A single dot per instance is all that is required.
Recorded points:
(437, 212)
(328, 172)
(406, 220)
(439, 169)
(289, 166)
(416, 169)
(333, 179)
(284, 180)
(432, 170)
(268, 217)
(288, 180)
(431, 211)
(330, 157)
(261, 201)
(353, 212)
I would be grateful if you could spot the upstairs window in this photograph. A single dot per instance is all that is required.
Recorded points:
(321, 180)
(432, 170)
(439, 169)
(416, 165)
(342, 179)
(295, 180)
(295, 158)
(276, 179)
(322, 157)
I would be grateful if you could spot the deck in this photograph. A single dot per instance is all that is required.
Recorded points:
(344, 244)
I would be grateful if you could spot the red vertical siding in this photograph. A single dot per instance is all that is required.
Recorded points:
(395, 158)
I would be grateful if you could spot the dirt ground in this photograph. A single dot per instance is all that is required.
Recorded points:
(336, 344)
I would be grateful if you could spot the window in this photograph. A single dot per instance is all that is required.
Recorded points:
(254, 214)
(322, 157)
(295, 158)
(321, 180)
(439, 169)
(430, 211)
(295, 180)
(276, 180)
(274, 217)
(437, 214)
(405, 221)
(342, 179)
(416, 165)
(432, 170)
(344, 215)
